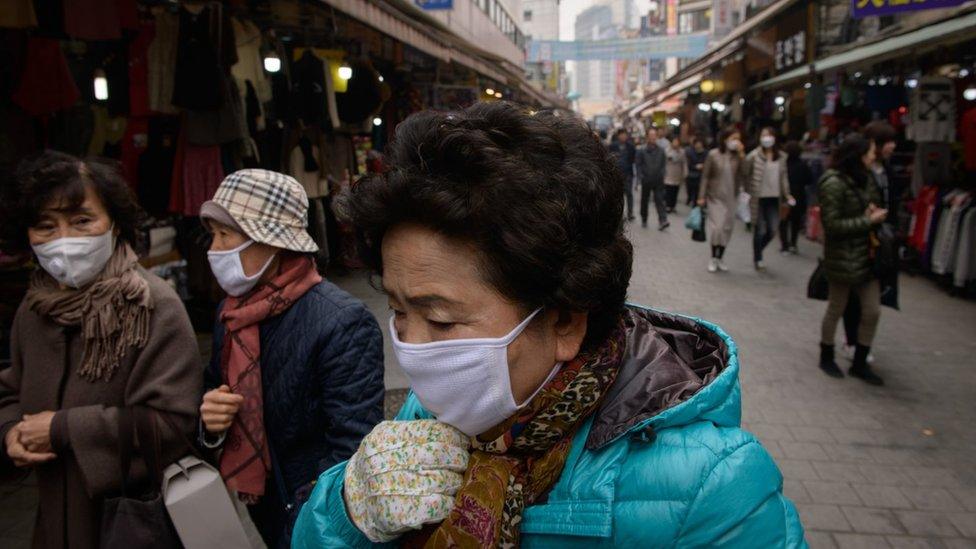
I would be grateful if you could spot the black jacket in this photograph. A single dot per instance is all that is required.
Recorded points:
(650, 163)
(694, 159)
(801, 177)
(322, 377)
(624, 155)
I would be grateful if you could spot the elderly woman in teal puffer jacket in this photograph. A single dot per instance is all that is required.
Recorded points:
(545, 412)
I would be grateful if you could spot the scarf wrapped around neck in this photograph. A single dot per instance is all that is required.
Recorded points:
(113, 311)
(246, 459)
(516, 463)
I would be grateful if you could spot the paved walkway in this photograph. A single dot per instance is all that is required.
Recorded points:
(867, 467)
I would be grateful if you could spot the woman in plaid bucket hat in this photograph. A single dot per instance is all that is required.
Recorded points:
(296, 375)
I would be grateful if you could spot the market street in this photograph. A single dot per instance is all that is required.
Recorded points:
(866, 466)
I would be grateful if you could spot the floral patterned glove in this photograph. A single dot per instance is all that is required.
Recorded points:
(404, 475)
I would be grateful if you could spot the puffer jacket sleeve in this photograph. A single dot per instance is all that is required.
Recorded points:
(323, 520)
(832, 197)
(740, 504)
(351, 377)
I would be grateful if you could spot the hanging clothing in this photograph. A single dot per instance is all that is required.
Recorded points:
(217, 126)
(305, 167)
(967, 132)
(947, 239)
(139, 70)
(133, 144)
(46, 84)
(932, 166)
(204, 52)
(108, 130)
(964, 268)
(250, 61)
(308, 89)
(161, 62)
(814, 102)
(92, 19)
(18, 14)
(155, 166)
(933, 110)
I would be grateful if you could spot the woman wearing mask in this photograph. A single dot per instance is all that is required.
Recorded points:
(95, 333)
(296, 376)
(720, 185)
(696, 162)
(849, 201)
(765, 179)
(538, 411)
(675, 171)
(800, 177)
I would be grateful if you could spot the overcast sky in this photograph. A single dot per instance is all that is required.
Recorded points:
(569, 9)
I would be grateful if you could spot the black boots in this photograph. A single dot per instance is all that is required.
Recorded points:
(827, 363)
(860, 368)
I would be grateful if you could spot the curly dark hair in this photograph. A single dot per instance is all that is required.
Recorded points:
(52, 175)
(536, 193)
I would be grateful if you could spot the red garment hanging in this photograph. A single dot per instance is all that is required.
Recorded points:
(92, 19)
(46, 84)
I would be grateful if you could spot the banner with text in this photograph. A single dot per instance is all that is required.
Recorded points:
(867, 8)
(656, 47)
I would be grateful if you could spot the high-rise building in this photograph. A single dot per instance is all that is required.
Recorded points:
(540, 21)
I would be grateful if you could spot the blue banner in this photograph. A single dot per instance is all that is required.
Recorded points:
(656, 47)
(435, 4)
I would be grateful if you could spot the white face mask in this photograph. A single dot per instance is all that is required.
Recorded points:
(229, 270)
(732, 145)
(463, 382)
(767, 141)
(76, 261)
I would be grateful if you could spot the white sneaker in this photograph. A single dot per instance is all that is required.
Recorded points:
(712, 265)
(722, 266)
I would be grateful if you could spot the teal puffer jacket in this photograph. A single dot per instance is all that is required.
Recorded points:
(663, 463)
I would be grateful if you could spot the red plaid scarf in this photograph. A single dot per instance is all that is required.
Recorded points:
(246, 460)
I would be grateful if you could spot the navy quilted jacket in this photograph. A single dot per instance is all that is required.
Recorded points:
(322, 373)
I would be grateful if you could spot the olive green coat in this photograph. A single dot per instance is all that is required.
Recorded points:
(847, 246)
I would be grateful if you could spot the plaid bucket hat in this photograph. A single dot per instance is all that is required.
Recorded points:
(270, 207)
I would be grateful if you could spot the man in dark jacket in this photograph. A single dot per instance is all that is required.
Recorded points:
(624, 152)
(296, 375)
(650, 172)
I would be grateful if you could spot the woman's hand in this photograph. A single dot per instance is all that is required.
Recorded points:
(219, 408)
(701, 202)
(35, 432)
(18, 454)
(875, 214)
(404, 474)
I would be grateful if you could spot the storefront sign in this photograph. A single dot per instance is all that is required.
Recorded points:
(721, 18)
(791, 51)
(435, 4)
(866, 8)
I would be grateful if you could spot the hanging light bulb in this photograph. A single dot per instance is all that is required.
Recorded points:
(912, 82)
(272, 63)
(345, 72)
(963, 73)
(489, 91)
(377, 121)
(498, 95)
(969, 94)
(100, 85)
(704, 107)
(675, 122)
(380, 78)
(780, 100)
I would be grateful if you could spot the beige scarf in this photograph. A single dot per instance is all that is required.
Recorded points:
(113, 311)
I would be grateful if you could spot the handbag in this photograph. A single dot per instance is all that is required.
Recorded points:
(694, 219)
(698, 235)
(818, 287)
(134, 518)
(743, 209)
(813, 226)
(190, 485)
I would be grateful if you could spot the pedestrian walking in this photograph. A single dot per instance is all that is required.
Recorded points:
(535, 388)
(296, 375)
(696, 154)
(96, 333)
(800, 177)
(650, 162)
(720, 186)
(766, 182)
(849, 201)
(675, 172)
(883, 136)
(624, 152)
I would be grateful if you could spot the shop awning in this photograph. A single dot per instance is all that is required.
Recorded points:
(664, 93)
(946, 32)
(723, 49)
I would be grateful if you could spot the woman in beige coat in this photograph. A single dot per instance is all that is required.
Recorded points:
(94, 333)
(719, 187)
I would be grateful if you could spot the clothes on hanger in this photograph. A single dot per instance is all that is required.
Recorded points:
(933, 110)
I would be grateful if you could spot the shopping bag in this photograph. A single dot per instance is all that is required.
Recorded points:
(743, 211)
(699, 234)
(694, 219)
(817, 286)
(814, 229)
